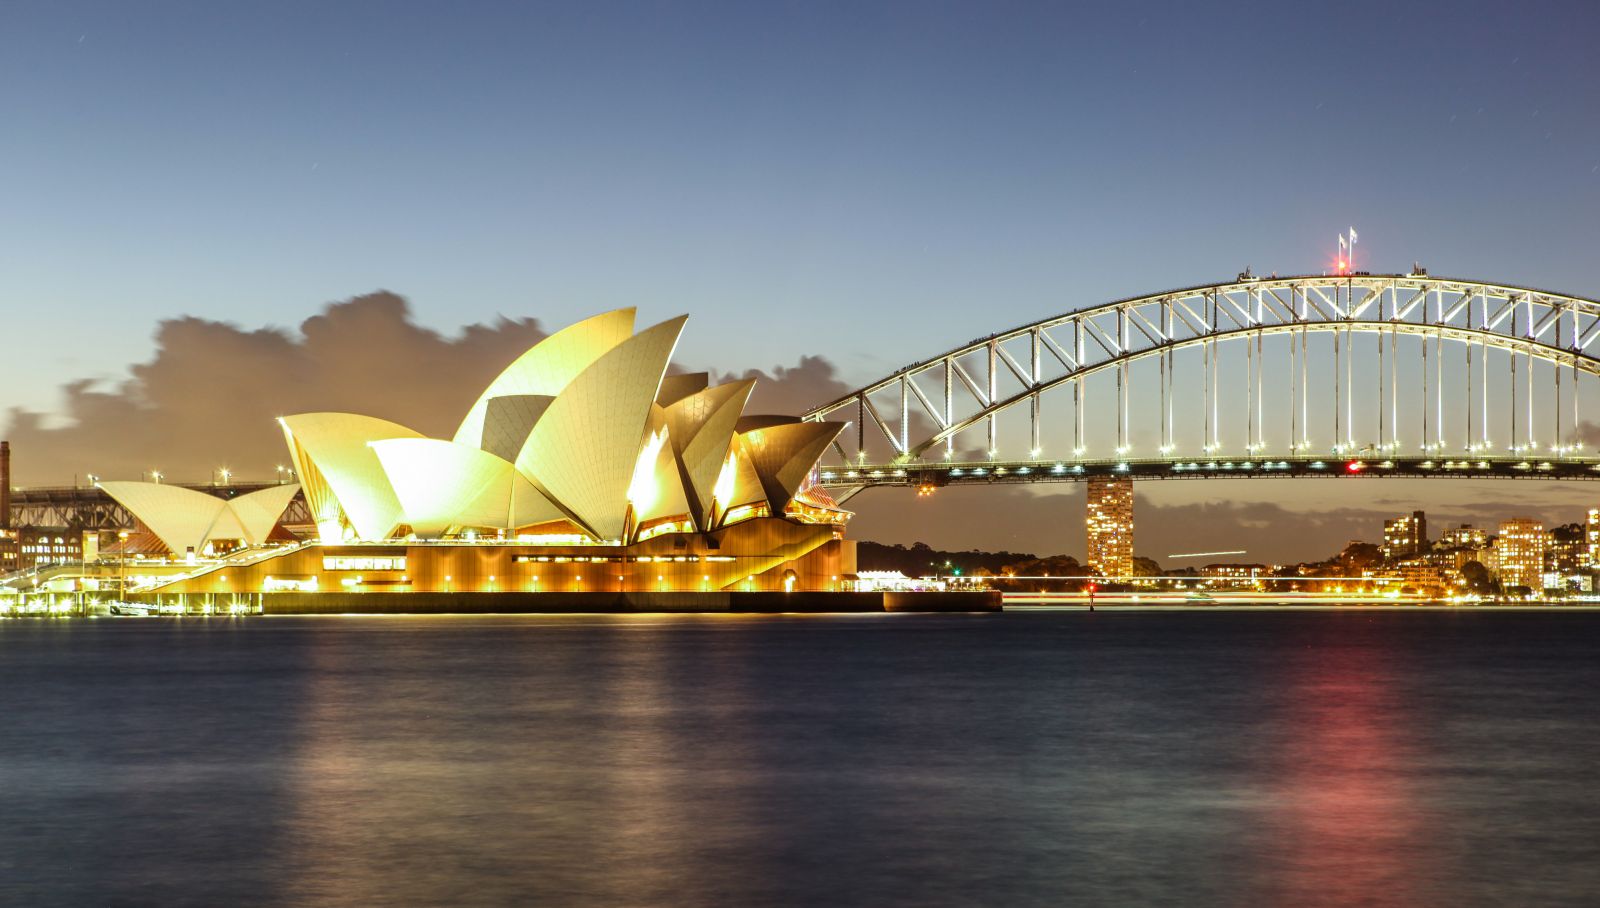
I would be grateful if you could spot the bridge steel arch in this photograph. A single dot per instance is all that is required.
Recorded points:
(1016, 367)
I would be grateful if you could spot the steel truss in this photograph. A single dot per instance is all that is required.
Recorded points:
(924, 407)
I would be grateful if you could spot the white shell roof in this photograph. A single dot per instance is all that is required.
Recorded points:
(339, 445)
(583, 450)
(549, 366)
(441, 484)
(183, 518)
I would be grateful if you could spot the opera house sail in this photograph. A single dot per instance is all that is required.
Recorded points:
(584, 465)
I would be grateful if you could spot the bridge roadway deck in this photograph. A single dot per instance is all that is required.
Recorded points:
(921, 473)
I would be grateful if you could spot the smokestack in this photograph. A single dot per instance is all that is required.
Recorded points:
(5, 485)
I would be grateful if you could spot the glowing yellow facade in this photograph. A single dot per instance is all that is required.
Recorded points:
(585, 438)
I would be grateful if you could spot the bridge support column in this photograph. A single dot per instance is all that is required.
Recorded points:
(1108, 525)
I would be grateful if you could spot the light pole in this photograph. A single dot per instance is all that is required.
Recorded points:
(122, 565)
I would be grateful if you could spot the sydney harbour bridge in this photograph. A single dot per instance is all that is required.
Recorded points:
(1351, 375)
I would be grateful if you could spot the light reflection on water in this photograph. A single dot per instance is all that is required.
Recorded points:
(1210, 758)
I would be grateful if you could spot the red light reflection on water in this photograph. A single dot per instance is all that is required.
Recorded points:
(1343, 826)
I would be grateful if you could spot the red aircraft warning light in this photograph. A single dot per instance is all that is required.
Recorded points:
(1345, 260)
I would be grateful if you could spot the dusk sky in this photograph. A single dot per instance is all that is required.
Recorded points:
(872, 184)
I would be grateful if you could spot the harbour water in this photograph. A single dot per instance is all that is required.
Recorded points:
(1202, 757)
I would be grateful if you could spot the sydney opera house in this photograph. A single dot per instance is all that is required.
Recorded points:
(584, 467)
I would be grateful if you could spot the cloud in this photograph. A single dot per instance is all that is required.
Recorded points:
(794, 389)
(1589, 435)
(209, 395)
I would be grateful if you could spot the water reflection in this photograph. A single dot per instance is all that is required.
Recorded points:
(1020, 759)
(1342, 826)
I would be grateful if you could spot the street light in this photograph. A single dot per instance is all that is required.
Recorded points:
(122, 564)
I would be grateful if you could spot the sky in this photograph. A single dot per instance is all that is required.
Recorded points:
(830, 190)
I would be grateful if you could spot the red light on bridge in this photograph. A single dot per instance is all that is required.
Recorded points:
(1355, 466)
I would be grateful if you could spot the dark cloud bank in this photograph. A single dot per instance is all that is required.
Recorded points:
(209, 395)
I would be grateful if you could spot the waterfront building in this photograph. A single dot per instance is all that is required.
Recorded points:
(1405, 535)
(1235, 574)
(1464, 536)
(1592, 535)
(1110, 527)
(1450, 560)
(10, 544)
(10, 551)
(582, 467)
(41, 546)
(1519, 553)
(896, 581)
(1425, 575)
(1568, 549)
